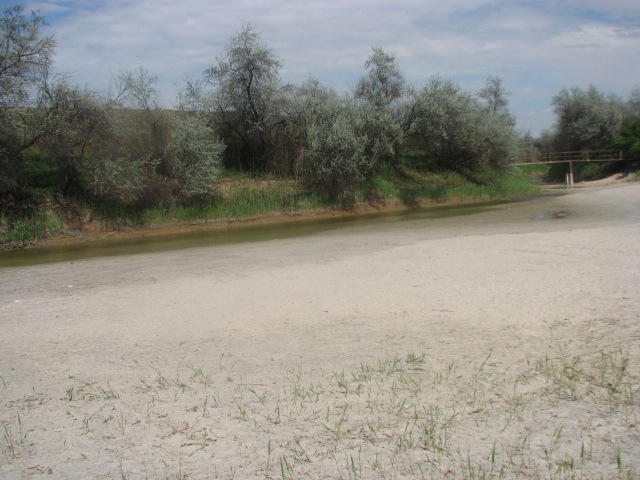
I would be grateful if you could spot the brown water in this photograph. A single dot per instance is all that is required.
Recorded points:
(233, 234)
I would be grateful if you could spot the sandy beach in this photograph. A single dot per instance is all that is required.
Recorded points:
(503, 344)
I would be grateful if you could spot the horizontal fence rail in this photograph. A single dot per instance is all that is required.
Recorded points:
(577, 156)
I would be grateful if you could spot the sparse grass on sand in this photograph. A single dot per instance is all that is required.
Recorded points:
(403, 416)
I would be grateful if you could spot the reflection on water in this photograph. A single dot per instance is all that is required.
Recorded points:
(232, 234)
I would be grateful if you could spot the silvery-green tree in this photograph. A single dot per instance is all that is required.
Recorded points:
(183, 146)
(446, 114)
(332, 140)
(459, 131)
(384, 82)
(496, 98)
(586, 119)
(502, 143)
(194, 156)
(246, 92)
(379, 93)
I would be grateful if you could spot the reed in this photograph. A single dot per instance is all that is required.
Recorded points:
(29, 229)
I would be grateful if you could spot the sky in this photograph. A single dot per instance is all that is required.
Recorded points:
(536, 47)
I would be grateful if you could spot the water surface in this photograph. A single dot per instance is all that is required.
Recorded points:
(235, 233)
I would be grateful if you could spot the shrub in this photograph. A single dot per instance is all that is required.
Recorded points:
(194, 156)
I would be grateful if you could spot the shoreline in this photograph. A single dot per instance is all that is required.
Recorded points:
(95, 233)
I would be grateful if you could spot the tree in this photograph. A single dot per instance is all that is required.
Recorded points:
(25, 55)
(25, 60)
(136, 91)
(445, 116)
(458, 132)
(632, 106)
(629, 140)
(246, 86)
(384, 82)
(194, 156)
(497, 99)
(77, 122)
(80, 139)
(333, 143)
(544, 143)
(586, 119)
(380, 91)
(382, 132)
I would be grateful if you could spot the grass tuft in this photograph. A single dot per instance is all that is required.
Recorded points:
(28, 230)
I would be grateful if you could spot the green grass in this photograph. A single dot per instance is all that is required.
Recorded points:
(414, 186)
(241, 198)
(379, 188)
(26, 230)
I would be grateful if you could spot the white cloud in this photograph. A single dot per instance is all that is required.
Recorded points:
(597, 36)
(44, 8)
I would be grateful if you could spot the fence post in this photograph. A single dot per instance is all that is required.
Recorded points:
(569, 176)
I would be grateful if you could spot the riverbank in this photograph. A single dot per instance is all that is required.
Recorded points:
(500, 343)
(246, 201)
(95, 231)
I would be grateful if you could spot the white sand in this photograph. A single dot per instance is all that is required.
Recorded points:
(507, 340)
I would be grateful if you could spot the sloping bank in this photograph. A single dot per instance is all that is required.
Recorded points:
(246, 203)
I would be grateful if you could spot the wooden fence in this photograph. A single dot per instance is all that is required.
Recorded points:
(577, 156)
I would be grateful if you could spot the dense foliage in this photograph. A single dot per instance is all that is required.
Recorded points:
(460, 131)
(586, 119)
(591, 120)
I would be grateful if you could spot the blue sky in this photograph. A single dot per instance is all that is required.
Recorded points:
(537, 47)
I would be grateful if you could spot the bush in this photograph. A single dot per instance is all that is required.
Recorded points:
(194, 156)
(333, 149)
(120, 179)
(341, 141)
